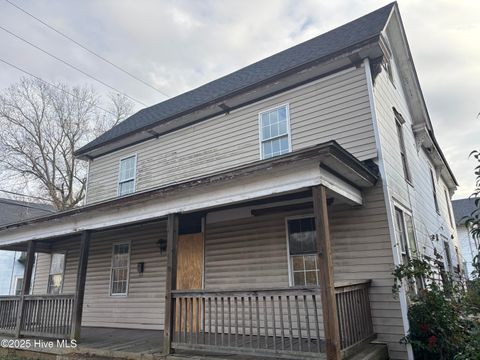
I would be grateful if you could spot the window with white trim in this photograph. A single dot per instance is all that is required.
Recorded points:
(448, 257)
(120, 269)
(447, 202)
(55, 276)
(302, 251)
(434, 190)
(274, 132)
(403, 152)
(126, 176)
(405, 235)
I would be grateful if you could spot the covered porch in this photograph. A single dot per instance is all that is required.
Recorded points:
(242, 295)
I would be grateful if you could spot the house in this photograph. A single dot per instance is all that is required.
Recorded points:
(11, 262)
(259, 214)
(469, 246)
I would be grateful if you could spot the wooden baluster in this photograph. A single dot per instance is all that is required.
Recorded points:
(210, 320)
(222, 329)
(274, 325)
(258, 321)
(229, 320)
(216, 320)
(307, 321)
(197, 318)
(290, 326)
(204, 330)
(185, 321)
(236, 320)
(243, 320)
(297, 309)
(191, 320)
(317, 328)
(265, 321)
(282, 330)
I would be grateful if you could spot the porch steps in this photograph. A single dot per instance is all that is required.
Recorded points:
(371, 351)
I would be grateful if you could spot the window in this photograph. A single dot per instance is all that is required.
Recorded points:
(434, 190)
(447, 201)
(302, 251)
(448, 258)
(55, 276)
(120, 269)
(405, 235)
(126, 177)
(274, 132)
(403, 153)
(18, 285)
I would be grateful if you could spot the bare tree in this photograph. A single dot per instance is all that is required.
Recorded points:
(41, 127)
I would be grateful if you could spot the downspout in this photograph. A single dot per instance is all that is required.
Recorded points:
(388, 203)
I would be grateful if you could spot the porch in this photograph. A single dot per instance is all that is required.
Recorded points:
(213, 268)
(215, 323)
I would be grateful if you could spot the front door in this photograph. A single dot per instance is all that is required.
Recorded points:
(189, 277)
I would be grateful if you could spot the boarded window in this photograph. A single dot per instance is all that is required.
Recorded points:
(303, 251)
(274, 132)
(120, 269)
(126, 177)
(55, 277)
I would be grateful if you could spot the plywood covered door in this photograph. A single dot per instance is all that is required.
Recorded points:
(190, 262)
(189, 277)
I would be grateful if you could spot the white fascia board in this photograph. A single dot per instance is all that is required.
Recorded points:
(302, 175)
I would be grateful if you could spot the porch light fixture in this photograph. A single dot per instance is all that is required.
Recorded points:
(140, 267)
(162, 244)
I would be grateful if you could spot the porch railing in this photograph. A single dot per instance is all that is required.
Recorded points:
(43, 315)
(354, 316)
(274, 321)
(279, 322)
(8, 313)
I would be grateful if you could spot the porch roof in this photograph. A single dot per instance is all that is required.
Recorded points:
(326, 163)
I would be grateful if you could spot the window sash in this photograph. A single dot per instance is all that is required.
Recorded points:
(403, 152)
(434, 190)
(274, 132)
(303, 275)
(120, 269)
(18, 286)
(56, 273)
(127, 175)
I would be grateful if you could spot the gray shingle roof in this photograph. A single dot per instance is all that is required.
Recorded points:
(14, 211)
(359, 31)
(462, 208)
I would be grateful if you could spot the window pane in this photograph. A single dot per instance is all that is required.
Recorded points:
(411, 235)
(57, 265)
(276, 147)
(282, 114)
(266, 132)
(267, 149)
(126, 187)
(297, 262)
(55, 284)
(299, 278)
(265, 120)
(301, 236)
(120, 264)
(310, 263)
(311, 278)
(284, 145)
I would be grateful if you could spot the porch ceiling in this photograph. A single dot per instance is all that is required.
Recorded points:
(327, 164)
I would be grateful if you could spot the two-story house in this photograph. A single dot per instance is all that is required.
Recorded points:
(259, 214)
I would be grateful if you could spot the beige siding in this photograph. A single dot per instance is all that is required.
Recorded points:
(335, 107)
(417, 197)
(143, 307)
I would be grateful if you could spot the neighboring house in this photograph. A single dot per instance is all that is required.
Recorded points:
(11, 262)
(469, 246)
(274, 200)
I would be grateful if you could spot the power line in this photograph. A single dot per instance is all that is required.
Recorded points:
(87, 49)
(53, 85)
(18, 194)
(70, 65)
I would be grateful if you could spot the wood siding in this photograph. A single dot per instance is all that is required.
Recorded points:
(417, 197)
(332, 108)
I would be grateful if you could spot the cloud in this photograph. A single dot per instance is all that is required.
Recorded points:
(182, 44)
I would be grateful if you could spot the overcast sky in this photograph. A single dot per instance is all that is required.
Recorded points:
(179, 45)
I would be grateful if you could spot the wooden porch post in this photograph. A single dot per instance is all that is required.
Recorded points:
(171, 281)
(27, 280)
(80, 286)
(325, 264)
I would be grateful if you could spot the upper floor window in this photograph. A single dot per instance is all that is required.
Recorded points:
(405, 234)
(120, 269)
(434, 190)
(126, 176)
(55, 276)
(275, 132)
(448, 257)
(399, 121)
(302, 249)
(447, 201)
